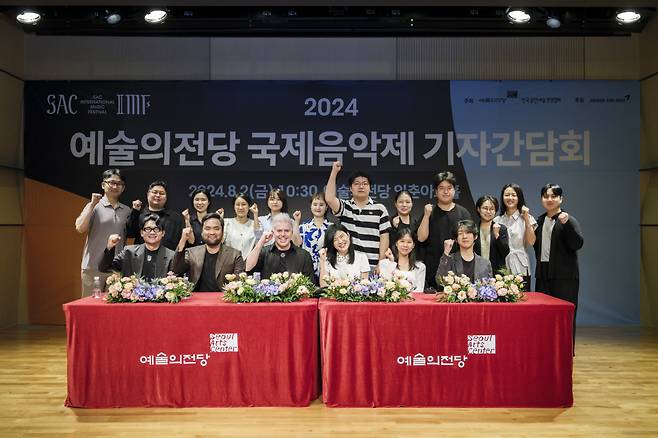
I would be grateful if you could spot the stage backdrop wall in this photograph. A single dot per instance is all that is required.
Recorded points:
(232, 136)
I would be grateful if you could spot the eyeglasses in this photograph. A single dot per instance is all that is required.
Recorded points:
(487, 209)
(158, 193)
(114, 184)
(361, 183)
(151, 229)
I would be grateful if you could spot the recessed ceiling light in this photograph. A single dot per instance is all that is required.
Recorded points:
(28, 17)
(155, 16)
(113, 18)
(553, 22)
(628, 16)
(518, 16)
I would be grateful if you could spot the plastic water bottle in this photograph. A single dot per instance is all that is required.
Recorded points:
(256, 276)
(96, 290)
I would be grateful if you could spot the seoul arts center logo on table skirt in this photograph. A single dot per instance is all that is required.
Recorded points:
(224, 342)
(481, 344)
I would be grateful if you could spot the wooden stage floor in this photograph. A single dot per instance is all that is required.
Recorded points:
(615, 394)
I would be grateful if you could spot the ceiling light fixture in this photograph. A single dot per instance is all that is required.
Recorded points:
(28, 17)
(518, 16)
(113, 18)
(553, 22)
(628, 16)
(155, 16)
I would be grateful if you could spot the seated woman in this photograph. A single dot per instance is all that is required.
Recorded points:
(464, 261)
(338, 258)
(148, 260)
(402, 257)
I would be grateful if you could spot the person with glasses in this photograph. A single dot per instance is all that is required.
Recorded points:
(102, 216)
(172, 221)
(439, 221)
(493, 242)
(366, 220)
(148, 260)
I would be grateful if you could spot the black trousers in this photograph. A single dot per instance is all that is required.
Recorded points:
(562, 288)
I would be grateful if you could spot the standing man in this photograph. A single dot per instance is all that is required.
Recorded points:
(366, 220)
(207, 265)
(558, 239)
(102, 216)
(172, 221)
(283, 256)
(148, 260)
(439, 221)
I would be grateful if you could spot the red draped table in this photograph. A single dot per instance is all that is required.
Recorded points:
(200, 352)
(424, 353)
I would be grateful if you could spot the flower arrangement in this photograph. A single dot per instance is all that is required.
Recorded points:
(504, 288)
(391, 290)
(133, 289)
(282, 287)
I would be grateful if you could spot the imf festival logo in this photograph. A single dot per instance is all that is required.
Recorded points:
(133, 104)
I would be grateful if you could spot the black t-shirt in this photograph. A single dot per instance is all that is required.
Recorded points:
(148, 268)
(208, 282)
(469, 268)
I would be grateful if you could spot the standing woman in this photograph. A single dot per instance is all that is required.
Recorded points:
(515, 215)
(201, 200)
(311, 232)
(402, 257)
(276, 203)
(241, 232)
(559, 237)
(402, 218)
(492, 242)
(338, 258)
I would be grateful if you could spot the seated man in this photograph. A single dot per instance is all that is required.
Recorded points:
(207, 265)
(464, 261)
(283, 256)
(148, 260)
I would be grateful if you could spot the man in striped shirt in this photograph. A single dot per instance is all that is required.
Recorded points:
(366, 220)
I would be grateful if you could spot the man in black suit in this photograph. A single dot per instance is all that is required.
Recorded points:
(149, 259)
(559, 238)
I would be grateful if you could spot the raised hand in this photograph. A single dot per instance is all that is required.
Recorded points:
(389, 254)
(563, 217)
(95, 198)
(297, 216)
(496, 230)
(525, 212)
(254, 210)
(267, 236)
(186, 215)
(113, 241)
(396, 221)
(137, 205)
(220, 211)
(428, 209)
(336, 167)
(187, 234)
(447, 246)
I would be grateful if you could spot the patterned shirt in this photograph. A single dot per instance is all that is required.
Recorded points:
(313, 240)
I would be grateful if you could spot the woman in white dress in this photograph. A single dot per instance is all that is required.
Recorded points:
(241, 232)
(515, 215)
(338, 258)
(402, 258)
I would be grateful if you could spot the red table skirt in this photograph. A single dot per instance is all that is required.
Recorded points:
(200, 352)
(424, 353)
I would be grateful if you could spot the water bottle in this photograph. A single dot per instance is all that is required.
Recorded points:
(256, 276)
(96, 290)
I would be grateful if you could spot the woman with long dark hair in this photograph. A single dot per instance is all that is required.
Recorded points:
(338, 259)
(402, 258)
(201, 201)
(492, 242)
(515, 215)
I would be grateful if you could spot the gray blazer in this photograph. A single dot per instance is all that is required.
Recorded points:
(131, 261)
(453, 263)
(190, 262)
